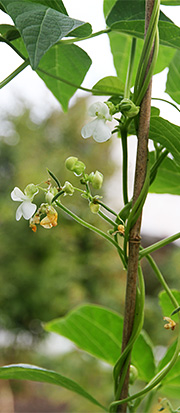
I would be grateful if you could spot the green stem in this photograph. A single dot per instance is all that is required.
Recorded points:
(106, 207)
(92, 228)
(170, 103)
(156, 165)
(2, 39)
(162, 281)
(156, 379)
(63, 80)
(130, 69)
(106, 218)
(125, 164)
(14, 74)
(79, 39)
(157, 245)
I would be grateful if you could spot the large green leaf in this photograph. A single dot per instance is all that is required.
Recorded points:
(173, 78)
(167, 179)
(55, 4)
(62, 61)
(98, 331)
(167, 134)
(34, 373)
(40, 26)
(128, 16)
(68, 62)
(166, 304)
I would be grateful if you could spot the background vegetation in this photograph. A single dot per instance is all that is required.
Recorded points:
(44, 275)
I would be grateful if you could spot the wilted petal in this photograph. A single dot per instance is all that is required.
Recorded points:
(99, 109)
(18, 195)
(101, 133)
(88, 129)
(28, 209)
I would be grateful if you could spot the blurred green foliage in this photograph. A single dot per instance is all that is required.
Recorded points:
(43, 275)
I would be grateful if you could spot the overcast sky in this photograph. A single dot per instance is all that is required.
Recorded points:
(29, 87)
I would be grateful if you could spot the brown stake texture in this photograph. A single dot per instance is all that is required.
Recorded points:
(134, 237)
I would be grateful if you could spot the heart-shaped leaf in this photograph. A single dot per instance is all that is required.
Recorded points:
(109, 85)
(167, 134)
(67, 62)
(40, 26)
(98, 331)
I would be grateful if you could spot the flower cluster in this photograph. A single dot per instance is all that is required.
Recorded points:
(103, 112)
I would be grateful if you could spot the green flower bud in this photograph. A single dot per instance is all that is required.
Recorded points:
(68, 188)
(112, 108)
(70, 162)
(94, 208)
(78, 168)
(50, 194)
(31, 190)
(133, 375)
(96, 179)
(128, 108)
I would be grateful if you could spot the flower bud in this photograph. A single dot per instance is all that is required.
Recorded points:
(50, 194)
(128, 108)
(31, 190)
(94, 208)
(70, 162)
(68, 188)
(79, 168)
(133, 375)
(96, 179)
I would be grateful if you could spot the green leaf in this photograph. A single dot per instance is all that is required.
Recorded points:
(107, 6)
(9, 32)
(110, 85)
(68, 62)
(166, 304)
(120, 47)
(173, 78)
(167, 134)
(128, 16)
(55, 4)
(34, 373)
(171, 2)
(98, 331)
(167, 179)
(171, 382)
(40, 26)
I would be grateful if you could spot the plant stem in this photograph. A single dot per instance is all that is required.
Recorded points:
(130, 69)
(106, 218)
(14, 74)
(134, 238)
(92, 228)
(106, 207)
(79, 39)
(125, 164)
(159, 244)
(166, 101)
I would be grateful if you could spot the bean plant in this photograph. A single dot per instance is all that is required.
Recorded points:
(143, 42)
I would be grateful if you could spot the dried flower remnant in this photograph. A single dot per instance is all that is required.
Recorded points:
(170, 325)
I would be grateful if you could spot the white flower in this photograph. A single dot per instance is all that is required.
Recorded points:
(98, 128)
(26, 209)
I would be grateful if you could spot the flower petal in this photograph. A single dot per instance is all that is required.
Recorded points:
(28, 209)
(88, 129)
(99, 109)
(102, 132)
(19, 213)
(18, 195)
